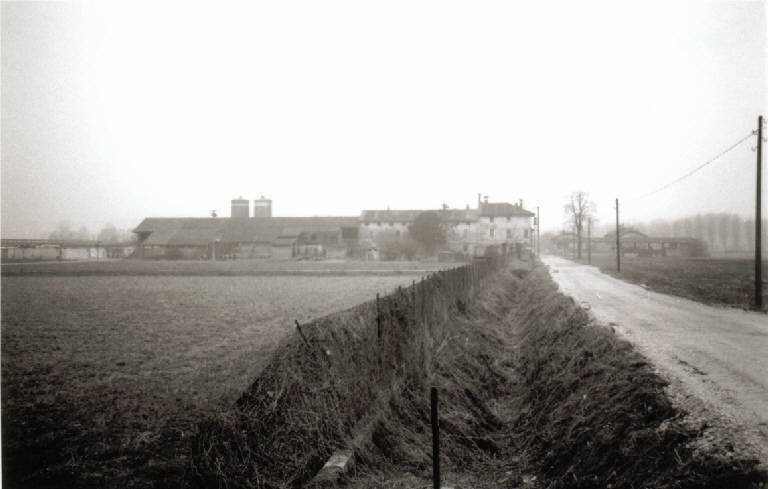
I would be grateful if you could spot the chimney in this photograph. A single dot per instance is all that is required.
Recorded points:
(485, 199)
(521, 203)
(479, 200)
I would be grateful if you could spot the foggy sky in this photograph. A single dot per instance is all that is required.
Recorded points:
(114, 112)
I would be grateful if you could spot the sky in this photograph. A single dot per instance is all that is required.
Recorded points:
(112, 112)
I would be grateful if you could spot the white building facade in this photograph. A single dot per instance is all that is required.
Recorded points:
(491, 228)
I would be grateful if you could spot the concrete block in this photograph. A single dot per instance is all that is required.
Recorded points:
(339, 463)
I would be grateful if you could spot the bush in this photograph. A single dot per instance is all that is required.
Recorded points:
(393, 247)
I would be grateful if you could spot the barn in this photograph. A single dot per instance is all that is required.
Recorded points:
(245, 237)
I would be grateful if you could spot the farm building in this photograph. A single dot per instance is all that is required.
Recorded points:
(48, 249)
(246, 237)
(637, 243)
(468, 231)
(633, 242)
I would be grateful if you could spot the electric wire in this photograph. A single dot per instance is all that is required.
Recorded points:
(700, 167)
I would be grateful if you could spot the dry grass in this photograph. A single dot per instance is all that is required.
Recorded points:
(104, 378)
(531, 394)
(338, 389)
(595, 413)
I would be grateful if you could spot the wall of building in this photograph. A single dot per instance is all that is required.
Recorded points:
(83, 253)
(33, 253)
(282, 252)
(498, 230)
(373, 230)
(253, 250)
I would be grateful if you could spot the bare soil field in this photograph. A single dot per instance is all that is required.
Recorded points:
(104, 377)
(231, 267)
(715, 281)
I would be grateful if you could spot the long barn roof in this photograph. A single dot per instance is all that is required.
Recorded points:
(194, 231)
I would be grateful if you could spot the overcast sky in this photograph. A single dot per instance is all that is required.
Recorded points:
(112, 112)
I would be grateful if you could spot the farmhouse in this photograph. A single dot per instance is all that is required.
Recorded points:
(469, 231)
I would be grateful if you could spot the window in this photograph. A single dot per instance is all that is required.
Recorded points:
(466, 233)
(509, 219)
(491, 218)
(509, 234)
(493, 231)
(397, 233)
(391, 224)
(526, 233)
(348, 233)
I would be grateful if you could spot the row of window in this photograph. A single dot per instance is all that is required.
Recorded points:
(509, 233)
(492, 233)
(392, 223)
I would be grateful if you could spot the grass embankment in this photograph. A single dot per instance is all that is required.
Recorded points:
(531, 393)
(715, 281)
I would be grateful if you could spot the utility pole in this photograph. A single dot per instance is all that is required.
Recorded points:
(589, 240)
(758, 218)
(564, 244)
(538, 232)
(618, 244)
(573, 231)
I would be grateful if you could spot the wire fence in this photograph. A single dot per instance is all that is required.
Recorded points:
(408, 323)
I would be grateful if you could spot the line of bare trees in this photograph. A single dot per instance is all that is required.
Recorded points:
(723, 232)
(108, 234)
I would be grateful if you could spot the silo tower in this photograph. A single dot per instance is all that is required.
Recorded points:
(262, 207)
(240, 207)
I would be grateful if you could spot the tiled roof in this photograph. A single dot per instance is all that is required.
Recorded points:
(503, 209)
(202, 231)
(407, 216)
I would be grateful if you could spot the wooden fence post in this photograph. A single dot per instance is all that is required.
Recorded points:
(435, 440)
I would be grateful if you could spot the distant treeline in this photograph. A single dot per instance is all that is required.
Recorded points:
(723, 233)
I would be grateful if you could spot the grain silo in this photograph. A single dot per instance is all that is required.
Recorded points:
(240, 207)
(262, 207)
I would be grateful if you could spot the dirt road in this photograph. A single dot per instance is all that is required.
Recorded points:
(716, 359)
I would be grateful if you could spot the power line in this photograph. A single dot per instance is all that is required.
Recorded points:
(711, 160)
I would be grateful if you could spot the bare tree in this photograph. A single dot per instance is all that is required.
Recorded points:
(578, 211)
(109, 234)
(63, 231)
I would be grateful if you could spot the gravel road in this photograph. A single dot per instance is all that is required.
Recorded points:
(715, 358)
